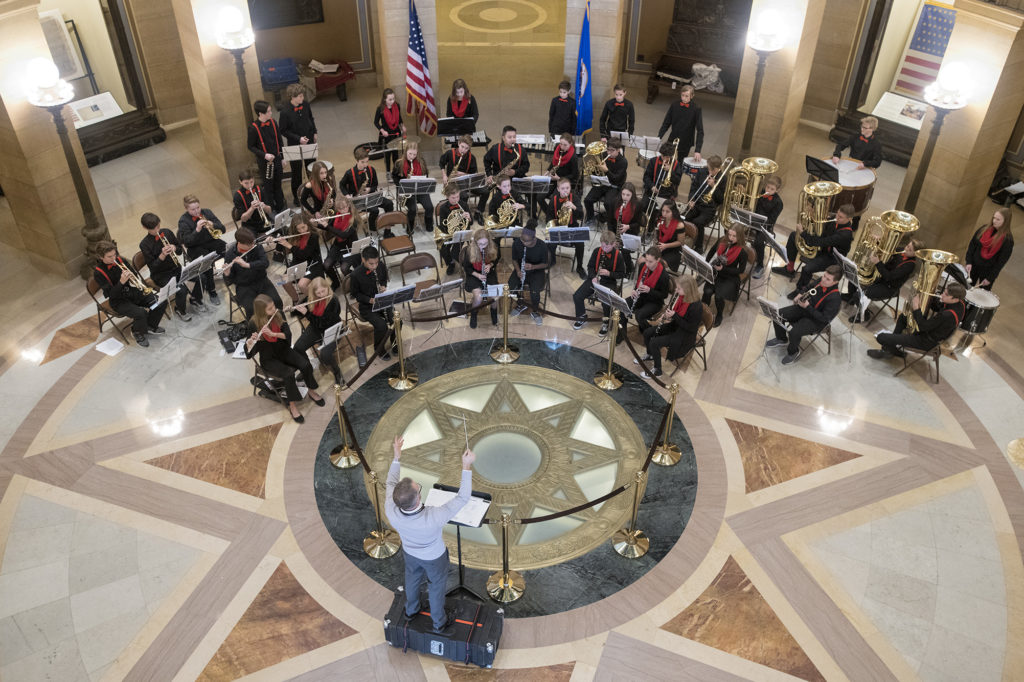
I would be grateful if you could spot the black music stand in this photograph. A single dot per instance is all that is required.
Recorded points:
(478, 516)
(535, 186)
(364, 202)
(392, 297)
(468, 182)
(450, 128)
(820, 169)
(412, 187)
(693, 260)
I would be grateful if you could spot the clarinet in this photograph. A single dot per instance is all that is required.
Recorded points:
(636, 288)
(671, 305)
(522, 269)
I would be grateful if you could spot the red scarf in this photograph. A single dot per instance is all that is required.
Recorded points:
(731, 252)
(626, 212)
(989, 244)
(681, 307)
(342, 222)
(274, 329)
(667, 230)
(319, 308)
(478, 266)
(416, 168)
(303, 240)
(560, 158)
(457, 110)
(649, 277)
(392, 116)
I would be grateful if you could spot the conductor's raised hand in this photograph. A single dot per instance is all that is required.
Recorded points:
(397, 446)
(468, 457)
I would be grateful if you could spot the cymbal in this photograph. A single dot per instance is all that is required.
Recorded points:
(397, 143)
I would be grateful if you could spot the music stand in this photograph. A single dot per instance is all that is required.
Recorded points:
(468, 182)
(600, 181)
(820, 169)
(568, 235)
(165, 292)
(471, 516)
(364, 202)
(393, 297)
(693, 260)
(535, 186)
(299, 152)
(459, 237)
(852, 275)
(512, 231)
(770, 309)
(295, 272)
(631, 242)
(410, 187)
(451, 128)
(284, 218)
(494, 290)
(748, 218)
(533, 140)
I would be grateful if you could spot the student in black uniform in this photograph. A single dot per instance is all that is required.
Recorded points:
(530, 259)
(249, 208)
(707, 192)
(479, 260)
(297, 127)
(318, 192)
(677, 327)
(264, 141)
(892, 275)
(947, 312)
(864, 147)
(836, 236)
(387, 119)
(271, 340)
(614, 168)
(362, 179)
(303, 246)
(769, 205)
(658, 170)
(564, 199)
(625, 215)
(160, 259)
(458, 160)
(343, 231)
(649, 291)
(562, 112)
(245, 267)
(989, 249)
(114, 274)
(461, 104)
(322, 312)
(506, 151)
(369, 279)
(729, 260)
(412, 165)
(670, 235)
(811, 312)
(617, 115)
(607, 267)
(455, 203)
(502, 193)
(687, 124)
(194, 232)
(564, 162)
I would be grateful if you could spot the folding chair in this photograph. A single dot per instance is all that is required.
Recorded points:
(104, 313)
(933, 352)
(139, 262)
(745, 277)
(825, 334)
(415, 262)
(700, 348)
(398, 245)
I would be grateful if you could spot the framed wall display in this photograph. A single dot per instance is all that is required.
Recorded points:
(62, 49)
(276, 14)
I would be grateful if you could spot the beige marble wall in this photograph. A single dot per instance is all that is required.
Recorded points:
(785, 83)
(47, 216)
(215, 89)
(833, 59)
(990, 40)
(608, 22)
(392, 39)
(163, 60)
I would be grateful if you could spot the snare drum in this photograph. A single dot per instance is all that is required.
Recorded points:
(643, 156)
(693, 166)
(981, 307)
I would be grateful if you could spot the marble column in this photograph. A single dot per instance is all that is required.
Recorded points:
(990, 41)
(215, 88)
(48, 218)
(608, 23)
(785, 82)
(833, 60)
(156, 34)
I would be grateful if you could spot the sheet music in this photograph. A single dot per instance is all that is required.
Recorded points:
(471, 515)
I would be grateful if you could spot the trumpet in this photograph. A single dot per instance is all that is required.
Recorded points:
(214, 232)
(808, 294)
(259, 209)
(134, 280)
(174, 254)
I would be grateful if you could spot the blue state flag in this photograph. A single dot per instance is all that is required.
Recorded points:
(584, 101)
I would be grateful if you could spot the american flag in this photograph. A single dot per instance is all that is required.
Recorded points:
(923, 56)
(418, 91)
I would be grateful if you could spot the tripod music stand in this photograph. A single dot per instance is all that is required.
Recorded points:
(535, 186)
(472, 515)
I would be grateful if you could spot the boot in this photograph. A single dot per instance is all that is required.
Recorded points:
(494, 316)
(472, 320)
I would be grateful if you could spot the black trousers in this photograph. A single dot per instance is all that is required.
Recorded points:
(607, 196)
(386, 206)
(143, 319)
(450, 253)
(273, 194)
(703, 215)
(889, 341)
(328, 358)
(582, 293)
(675, 341)
(295, 173)
(672, 258)
(759, 246)
(181, 296)
(245, 294)
(379, 321)
(535, 281)
(428, 212)
(802, 326)
(812, 266)
(206, 279)
(283, 367)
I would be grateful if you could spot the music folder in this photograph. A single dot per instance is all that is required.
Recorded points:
(472, 515)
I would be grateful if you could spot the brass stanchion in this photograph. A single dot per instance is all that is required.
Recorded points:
(343, 456)
(667, 453)
(631, 542)
(506, 354)
(610, 380)
(402, 381)
(505, 586)
(382, 542)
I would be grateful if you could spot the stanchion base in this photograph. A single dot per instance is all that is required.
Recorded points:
(631, 544)
(382, 545)
(404, 383)
(504, 587)
(667, 455)
(608, 381)
(344, 457)
(505, 355)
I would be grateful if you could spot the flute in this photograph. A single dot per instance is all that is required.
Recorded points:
(252, 341)
(289, 308)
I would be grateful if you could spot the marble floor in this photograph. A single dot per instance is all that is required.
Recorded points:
(158, 522)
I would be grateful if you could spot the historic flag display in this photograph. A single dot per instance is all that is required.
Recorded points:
(418, 90)
(923, 54)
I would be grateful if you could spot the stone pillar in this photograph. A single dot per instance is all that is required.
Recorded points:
(785, 83)
(34, 171)
(215, 89)
(156, 34)
(393, 41)
(607, 39)
(990, 41)
(833, 59)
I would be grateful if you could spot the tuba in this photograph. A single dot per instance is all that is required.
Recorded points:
(592, 158)
(933, 263)
(752, 173)
(881, 235)
(815, 202)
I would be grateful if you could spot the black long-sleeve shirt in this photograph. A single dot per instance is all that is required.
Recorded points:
(470, 112)
(380, 123)
(689, 322)
(614, 262)
(867, 150)
(896, 271)
(297, 122)
(943, 322)
(451, 161)
(353, 178)
(770, 206)
(987, 268)
(633, 219)
(109, 279)
(308, 252)
(659, 291)
(264, 138)
(497, 199)
(328, 317)
(242, 199)
(241, 276)
(557, 201)
(562, 116)
(569, 168)
(687, 124)
(269, 350)
(364, 284)
(838, 239)
(823, 305)
(617, 116)
(617, 170)
(729, 270)
(498, 156)
(199, 241)
(160, 271)
(652, 172)
(309, 200)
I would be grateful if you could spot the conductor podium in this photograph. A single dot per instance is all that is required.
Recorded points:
(473, 638)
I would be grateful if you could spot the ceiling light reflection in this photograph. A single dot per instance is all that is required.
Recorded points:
(168, 426)
(831, 423)
(32, 355)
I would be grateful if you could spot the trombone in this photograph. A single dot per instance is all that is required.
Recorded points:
(662, 181)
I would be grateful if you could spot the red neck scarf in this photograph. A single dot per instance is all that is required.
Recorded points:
(459, 107)
(667, 230)
(681, 307)
(560, 158)
(416, 168)
(990, 245)
(274, 329)
(342, 222)
(319, 308)
(649, 277)
(392, 116)
(303, 240)
(626, 212)
(731, 252)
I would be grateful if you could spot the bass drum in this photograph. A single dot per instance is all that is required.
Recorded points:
(981, 308)
(858, 186)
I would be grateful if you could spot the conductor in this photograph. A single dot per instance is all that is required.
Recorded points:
(420, 527)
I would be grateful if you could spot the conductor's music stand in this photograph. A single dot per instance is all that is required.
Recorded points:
(471, 516)
(451, 128)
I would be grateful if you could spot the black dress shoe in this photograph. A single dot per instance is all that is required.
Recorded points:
(319, 402)
(879, 353)
(298, 420)
(717, 322)
(451, 268)
(784, 271)
(581, 272)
